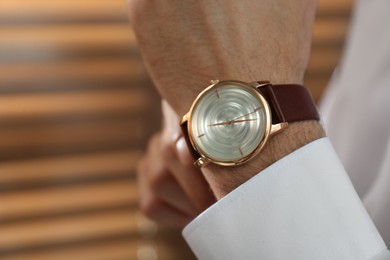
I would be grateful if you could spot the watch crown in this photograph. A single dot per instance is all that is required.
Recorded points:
(200, 162)
(214, 81)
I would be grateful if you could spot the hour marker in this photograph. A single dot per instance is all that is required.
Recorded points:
(241, 151)
(200, 135)
(216, 92)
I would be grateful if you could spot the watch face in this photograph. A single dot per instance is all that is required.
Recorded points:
(228, 122)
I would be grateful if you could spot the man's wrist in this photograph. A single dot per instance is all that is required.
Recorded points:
(223, 180)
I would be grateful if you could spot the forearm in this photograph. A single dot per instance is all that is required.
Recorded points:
(186, 44)
(223, 180)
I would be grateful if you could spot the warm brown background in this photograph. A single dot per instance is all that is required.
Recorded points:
(76, 109)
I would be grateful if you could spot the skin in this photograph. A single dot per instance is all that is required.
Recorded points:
(172, 191)
(187, 43)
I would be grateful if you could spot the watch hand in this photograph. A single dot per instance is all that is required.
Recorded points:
(254, 111)
(242, 120)
(222, 123)
(232, 122)
(235, 119)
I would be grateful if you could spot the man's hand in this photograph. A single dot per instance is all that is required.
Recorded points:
(171, 190)
(187, 43)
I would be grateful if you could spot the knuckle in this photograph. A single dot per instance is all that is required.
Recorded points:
(150, 207)
(158, 181)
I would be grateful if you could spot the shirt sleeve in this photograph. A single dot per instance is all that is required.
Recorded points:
(301, 207)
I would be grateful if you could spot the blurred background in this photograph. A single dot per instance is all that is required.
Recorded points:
(76, 110)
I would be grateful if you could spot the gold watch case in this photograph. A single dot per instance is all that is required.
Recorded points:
(269, 128)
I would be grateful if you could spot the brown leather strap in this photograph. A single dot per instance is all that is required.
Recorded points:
(289, 103)
(184, 128)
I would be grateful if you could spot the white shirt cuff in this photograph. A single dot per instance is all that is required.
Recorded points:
(301, 207)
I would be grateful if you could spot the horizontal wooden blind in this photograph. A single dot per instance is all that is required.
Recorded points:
(76, 109)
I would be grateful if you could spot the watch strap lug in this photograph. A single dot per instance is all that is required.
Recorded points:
(278, 127)
(214, 81)
(258, 84)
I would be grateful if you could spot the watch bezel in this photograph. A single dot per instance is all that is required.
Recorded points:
(267, 123)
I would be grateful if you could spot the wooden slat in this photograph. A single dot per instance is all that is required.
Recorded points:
(111, 249)
(317, 85)
(40, 11)
(89, 70)
(72, 167)
(332, 7)
(57, 104)
(323, 61)
(116, 248)
(60, 41)
(68, 137)
(61, 10)
(56, 200)
(66, 229)
(330, 31)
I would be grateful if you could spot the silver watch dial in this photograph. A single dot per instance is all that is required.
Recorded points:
(228, 121)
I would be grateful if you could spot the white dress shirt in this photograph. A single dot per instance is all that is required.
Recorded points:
(356, 109)
(304, 206)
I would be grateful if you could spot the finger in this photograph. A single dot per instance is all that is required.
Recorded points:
(156, 209)
(168, 190)
(154, 176)
(180, 162)
(167, 215)
(190, 180)
(194, 185)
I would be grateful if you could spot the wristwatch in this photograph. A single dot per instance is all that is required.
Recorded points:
(230, 121)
